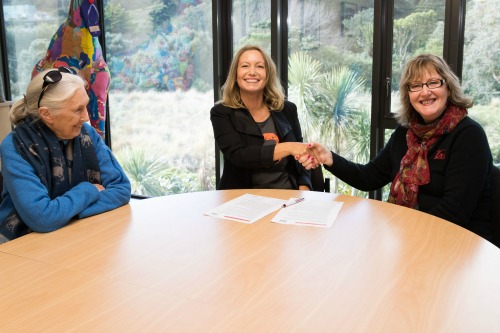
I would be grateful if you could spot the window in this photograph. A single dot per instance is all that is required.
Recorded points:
(481, 69)
(329, 75)
(418, 28)
(251, 20)
(29, 27)
(160, 58)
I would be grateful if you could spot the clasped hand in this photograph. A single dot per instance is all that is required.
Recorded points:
(315, 155)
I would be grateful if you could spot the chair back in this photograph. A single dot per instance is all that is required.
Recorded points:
(495, 204)
(5, 125)
(319, 183)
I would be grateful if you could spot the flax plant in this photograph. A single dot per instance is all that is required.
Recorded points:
(144, 169)
(332, 107)
(303, 76)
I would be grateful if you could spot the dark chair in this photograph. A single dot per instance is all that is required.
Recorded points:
(495, 204)
(319, 183)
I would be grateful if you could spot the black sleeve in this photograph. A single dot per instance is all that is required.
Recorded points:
(467, 174)
(293, 117)
(376, 173)
(236, 146)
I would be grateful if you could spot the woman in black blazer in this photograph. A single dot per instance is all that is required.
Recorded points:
(258, 131)
(437, 160)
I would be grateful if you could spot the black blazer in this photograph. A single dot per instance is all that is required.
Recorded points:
(460, 164)
(242, 144)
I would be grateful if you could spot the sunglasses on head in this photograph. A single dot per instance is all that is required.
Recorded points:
(53, 77)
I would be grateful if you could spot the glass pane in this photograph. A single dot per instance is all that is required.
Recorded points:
(29, 27)
(418, 28)
(160, 57)
(251, 21)
(386, 190)
(330, 75)
(481, 68)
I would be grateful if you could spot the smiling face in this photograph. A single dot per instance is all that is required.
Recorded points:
(67, 122)
(429, 103)
(251, 73)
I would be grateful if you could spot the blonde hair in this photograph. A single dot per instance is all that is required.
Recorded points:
(54, 96)
(274, 96)
(413, 70)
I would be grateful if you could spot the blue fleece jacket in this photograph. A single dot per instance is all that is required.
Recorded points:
(24, 190)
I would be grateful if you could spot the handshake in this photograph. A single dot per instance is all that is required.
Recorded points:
(311, 155)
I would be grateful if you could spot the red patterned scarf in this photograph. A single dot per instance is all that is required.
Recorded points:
(414, 168)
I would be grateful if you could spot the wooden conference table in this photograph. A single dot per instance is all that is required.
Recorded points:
(160, 265)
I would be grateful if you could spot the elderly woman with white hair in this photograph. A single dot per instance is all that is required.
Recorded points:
(55, 166)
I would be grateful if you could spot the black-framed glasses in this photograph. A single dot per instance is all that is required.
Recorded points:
(431, 85)
(53, 77)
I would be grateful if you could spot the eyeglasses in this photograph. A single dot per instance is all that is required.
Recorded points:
(53, 77)
(431, 85)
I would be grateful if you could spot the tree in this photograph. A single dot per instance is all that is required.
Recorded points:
(360, 27)
(162, 15)
(259, 34)
(199, 19)
(481, 69)
(118, 23)
(331, 106)
(308, 21)
(117, 18)
(410, 34)
(303, 74)
(358, 140)
(358, 137)
(144, 170)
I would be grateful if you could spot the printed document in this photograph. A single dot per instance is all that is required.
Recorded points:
(247, 208)
(309, 212)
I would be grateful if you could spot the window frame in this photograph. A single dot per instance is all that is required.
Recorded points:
(381, 118)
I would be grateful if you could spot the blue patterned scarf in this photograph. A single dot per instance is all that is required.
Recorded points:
(60, 165)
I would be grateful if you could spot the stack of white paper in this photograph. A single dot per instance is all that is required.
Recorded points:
(247, 208)
(309, 212)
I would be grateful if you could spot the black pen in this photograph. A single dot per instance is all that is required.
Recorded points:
(293, 202)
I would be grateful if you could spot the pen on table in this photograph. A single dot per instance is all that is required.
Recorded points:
(293, 202)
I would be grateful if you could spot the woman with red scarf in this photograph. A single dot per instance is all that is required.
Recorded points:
(438, 159)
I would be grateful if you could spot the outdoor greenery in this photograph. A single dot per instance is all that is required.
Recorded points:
(184, 147)
(150, 175)
(161, 90)
(331, 84)
(481, 70)
(160, 56)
